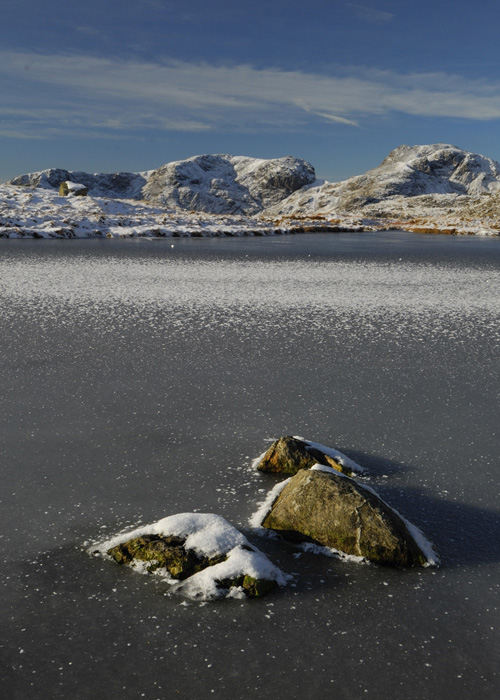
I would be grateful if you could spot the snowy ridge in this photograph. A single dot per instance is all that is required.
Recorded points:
(439, 177)
(217, 184)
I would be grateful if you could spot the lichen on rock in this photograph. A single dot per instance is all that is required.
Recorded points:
(163, 552)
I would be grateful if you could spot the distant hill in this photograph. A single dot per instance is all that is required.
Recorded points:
(220, 184)
(438, 175)
(412, 182)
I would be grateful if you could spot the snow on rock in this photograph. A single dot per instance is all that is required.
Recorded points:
(68, 188)
(221, 560)
(288, 454)
(349, 465)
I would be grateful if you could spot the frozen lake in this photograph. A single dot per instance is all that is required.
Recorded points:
(140, 378)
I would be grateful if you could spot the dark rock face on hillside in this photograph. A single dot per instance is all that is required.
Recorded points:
(337, 512)
(113, 185)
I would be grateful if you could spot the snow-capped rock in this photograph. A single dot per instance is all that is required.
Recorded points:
(218, 184)
(332, 510)
(200, 555)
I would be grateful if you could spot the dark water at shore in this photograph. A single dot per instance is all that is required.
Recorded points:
(139, 379)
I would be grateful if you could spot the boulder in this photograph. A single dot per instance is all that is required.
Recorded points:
(335, 511)
(199, 554)
(74, 188)
(288, 455)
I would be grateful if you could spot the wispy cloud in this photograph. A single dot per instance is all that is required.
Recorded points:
(43, 93)
(370, 14)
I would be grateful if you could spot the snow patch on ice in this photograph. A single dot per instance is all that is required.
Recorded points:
(255, 462)
(332, 552)
(264, 507)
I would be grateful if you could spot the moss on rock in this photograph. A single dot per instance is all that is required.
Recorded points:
(163, 552)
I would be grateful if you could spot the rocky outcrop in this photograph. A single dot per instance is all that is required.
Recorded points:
(112, 185)
(335, 511)
(288, 455)
(67, 188)
(225, 184)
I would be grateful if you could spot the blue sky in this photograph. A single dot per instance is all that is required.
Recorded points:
(114, 85)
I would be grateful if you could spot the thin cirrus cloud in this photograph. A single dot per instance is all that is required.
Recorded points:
(370, 14)
(48, 94)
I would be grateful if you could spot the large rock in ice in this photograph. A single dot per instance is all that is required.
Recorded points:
(288, 455)
(325, 507)
(199, 554)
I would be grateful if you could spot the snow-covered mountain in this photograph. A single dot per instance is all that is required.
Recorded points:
(407, 172)
(434, 188)
(220, 184)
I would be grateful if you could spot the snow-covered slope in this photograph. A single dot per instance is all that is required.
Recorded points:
(38, 212)
(408, 171)
(219, 184)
